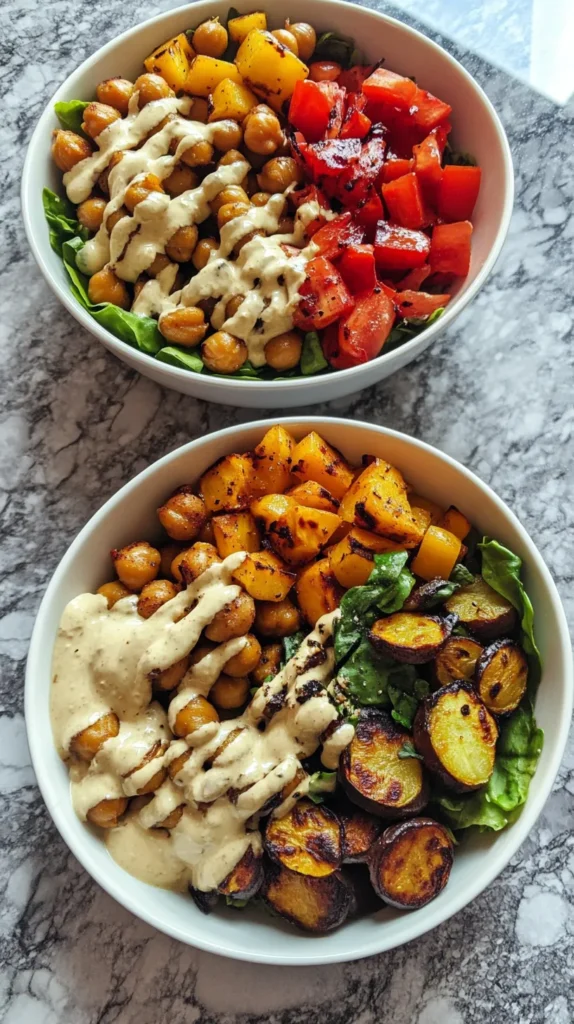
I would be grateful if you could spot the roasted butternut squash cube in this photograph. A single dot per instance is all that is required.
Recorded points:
(437, 554)
(435, 511)
(231, 100)
(455, 522)
(312, 495)
(235, 531)
(171, 60)
(205, 73)
(227, 486)
(378, 501)
(297, 534)
(352, 560)
(314, 459)
(422, 518)
(240, 27)
(265, 577)
(317, 590)
(271, 460)
(269, 68)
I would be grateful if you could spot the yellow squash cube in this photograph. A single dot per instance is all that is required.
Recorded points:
(264, 576)
(205, 73)
(314, 459)
(272, 459)
(352, 560)
(171, 60)
(240, 27)
(235, 531)
(231, 100)
(317, 590)
(297, 534)
(269, 68)
(226, 487)
(377, 501)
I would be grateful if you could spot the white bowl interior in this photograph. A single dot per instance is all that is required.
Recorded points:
(253, 935)
(476, 129)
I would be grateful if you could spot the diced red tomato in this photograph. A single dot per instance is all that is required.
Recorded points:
(395, 168)
(364, 331)
(356, 124)
(458, 192)
(324, 296)
(331, 158)
(370, 213)
(398, 248)
(324, 71)
(309, 110)
(414, 278)
(404, 201)
(357, 268)
(428, 156)
(387, 87)
(367, 171)
(352, 80)
(388, 289)
(418, 304)
(427, 111)
(334, 236)
(450, 248)
(336, 99)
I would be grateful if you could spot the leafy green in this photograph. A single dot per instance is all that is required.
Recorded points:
(454, 156)
(460, 575)
(60, 215)
(312, 358)
(501, 569)
(386, 591)
(339, 48)
(291, 645)
(428, 596)
(406, 693)
(237, 904)
(185, 358)
(408, 750)
(70, 114)
(321, 783)
(367, 676)
(408, 328)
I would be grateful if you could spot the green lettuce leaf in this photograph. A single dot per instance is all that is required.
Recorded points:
(185, 358)
(61, 218)
(312, 358)
(70, 114)
(367, 676)
(321, 783)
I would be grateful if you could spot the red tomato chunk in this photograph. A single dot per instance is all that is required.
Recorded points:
(363, 333)
(419, 304)
(398, 248)
(458, 192)
(324, 296)
(333, 238)
(387, 87)
(309, 110)
(357, 268)
(404, 201)
(450, 248)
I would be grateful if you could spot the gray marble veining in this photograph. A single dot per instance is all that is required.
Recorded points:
(496, 393)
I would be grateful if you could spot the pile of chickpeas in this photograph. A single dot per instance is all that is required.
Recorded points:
(259, 139)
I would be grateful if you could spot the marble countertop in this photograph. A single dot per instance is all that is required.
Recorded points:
(75, 424)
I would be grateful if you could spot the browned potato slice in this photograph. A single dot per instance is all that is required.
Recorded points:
(359, 832)
(484, 612)
(457, 736)
(501, 676)
(86, 743)
(374, 776)
(313, 904)
(204, 901)
(411, 863)
(411, 637)
(365, 900)
(457, 659)
(306, 840)
(246, 878)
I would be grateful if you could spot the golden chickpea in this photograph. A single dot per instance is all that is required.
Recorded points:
(139, 190)
(136, 564)
(287, 39)
(97, 117)
(86, 743)
(247, 659)
(103, 180)
(210, 38)
(139, 284)
(167, 555)
(284, 351)
(173, 818)
(199, 110)
(160, 262)
(235, 619)
(106, 287)
(223, 353)
(193, 716)
(181, 245)
(231, 157)
(269, 663)
(230, 211)
(170, 677)
(250, 183)
(151, 87)
(174, 767)
(260, 198)
(90, 213)
(306, 38)
(113, 592)
(201, 651)
(233, 306)
(68, 149)
(191, 562)
(107, 813)
(154, 595)
(183, 326)
(229, 194)
(115, 92)
(227, 135)
(115, 218)
(157, 778)
(206, 534)
(181, 179)
(229, 693)
(262, 131)
(198, 154)
(203, 251)
(183, 514)
(279, 618)
(278, 173)
(244, 240)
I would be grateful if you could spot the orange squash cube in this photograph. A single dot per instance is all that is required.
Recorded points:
(314, 459)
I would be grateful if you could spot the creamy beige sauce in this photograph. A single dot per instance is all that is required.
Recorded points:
(103, 659)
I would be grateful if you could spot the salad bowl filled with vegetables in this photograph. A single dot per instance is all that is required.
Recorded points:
(309, 684)
(251, 208)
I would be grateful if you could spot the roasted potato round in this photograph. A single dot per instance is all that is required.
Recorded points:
(484, 612)
(246, 878)
(359, 832)
(456, 735)
(411, 862)
(313, 904)
(457, 659)
(411, 637)
(501, 676)
(306, 840)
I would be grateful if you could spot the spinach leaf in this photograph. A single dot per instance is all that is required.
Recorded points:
(338, 48)
(235, 902)
(460, 575)
(386, 590)
(367, 676)
(454, 156)
(185, 358)
(321, 783)
(407, 329)
(406, 693)
(70, 114)
(408, 750)
(291, 645)
(62, 222)
(312, 358)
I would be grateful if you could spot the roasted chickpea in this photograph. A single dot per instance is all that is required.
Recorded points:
(173, 818)
(90, 213)
(306, 38)
(181, 245)
(183, 326)
(167, 555)
(210, 38)
(181, 179)
(201, 651)
(203, 251)
(115, 92)
(160, 262)
(103, 180)
(230, 211)
(244, 240)
(260, 198)
(207, 307)
(231, 157)
(183, 514)
(233, 306)
(170, 677)
(113, 592)
(139, 190)
(324, 71)
(191, 562)
(223, 353)
(106, 287)
(151, 87)
(278, 173)
(139, 284)
(235, 619)
(174, 767)
(284, 351)
(247, 659)
(250, 183)
(199, 110)
(279, 618)
(158, 777)
(198, 154)
(193, 716)
(269, 663)
(107, 813)
(229, 194)
(68, 149)
(115, 218)
(206, 534)
(136, 564)
(86, 743)
(153, 595)
(227, 135)
(287, 39)
(158, 127)
(229, 693)
(98, 116)
(262, 131)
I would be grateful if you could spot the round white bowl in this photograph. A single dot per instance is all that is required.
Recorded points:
(476, 129)
(254, 935)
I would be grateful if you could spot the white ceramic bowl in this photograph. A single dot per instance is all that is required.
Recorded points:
(476, 129)
(254, 935)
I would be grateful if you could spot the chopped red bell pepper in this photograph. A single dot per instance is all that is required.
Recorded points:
(428, 157)
(309, 110)
(458, 192)
(334, 236)
(427, 111)
(398, 248)
(352, 80)
(387, 87)
(404, 201)
(336, 98)
(450, 248)
(357, 268)
(395, 168)
(324, 296)
(356, 124)
(331, 158)
(414, 279)
(418, 304)
(364, 331)
(370, 213)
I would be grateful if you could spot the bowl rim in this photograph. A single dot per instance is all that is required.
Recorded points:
(174, 373)
(493, 865)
